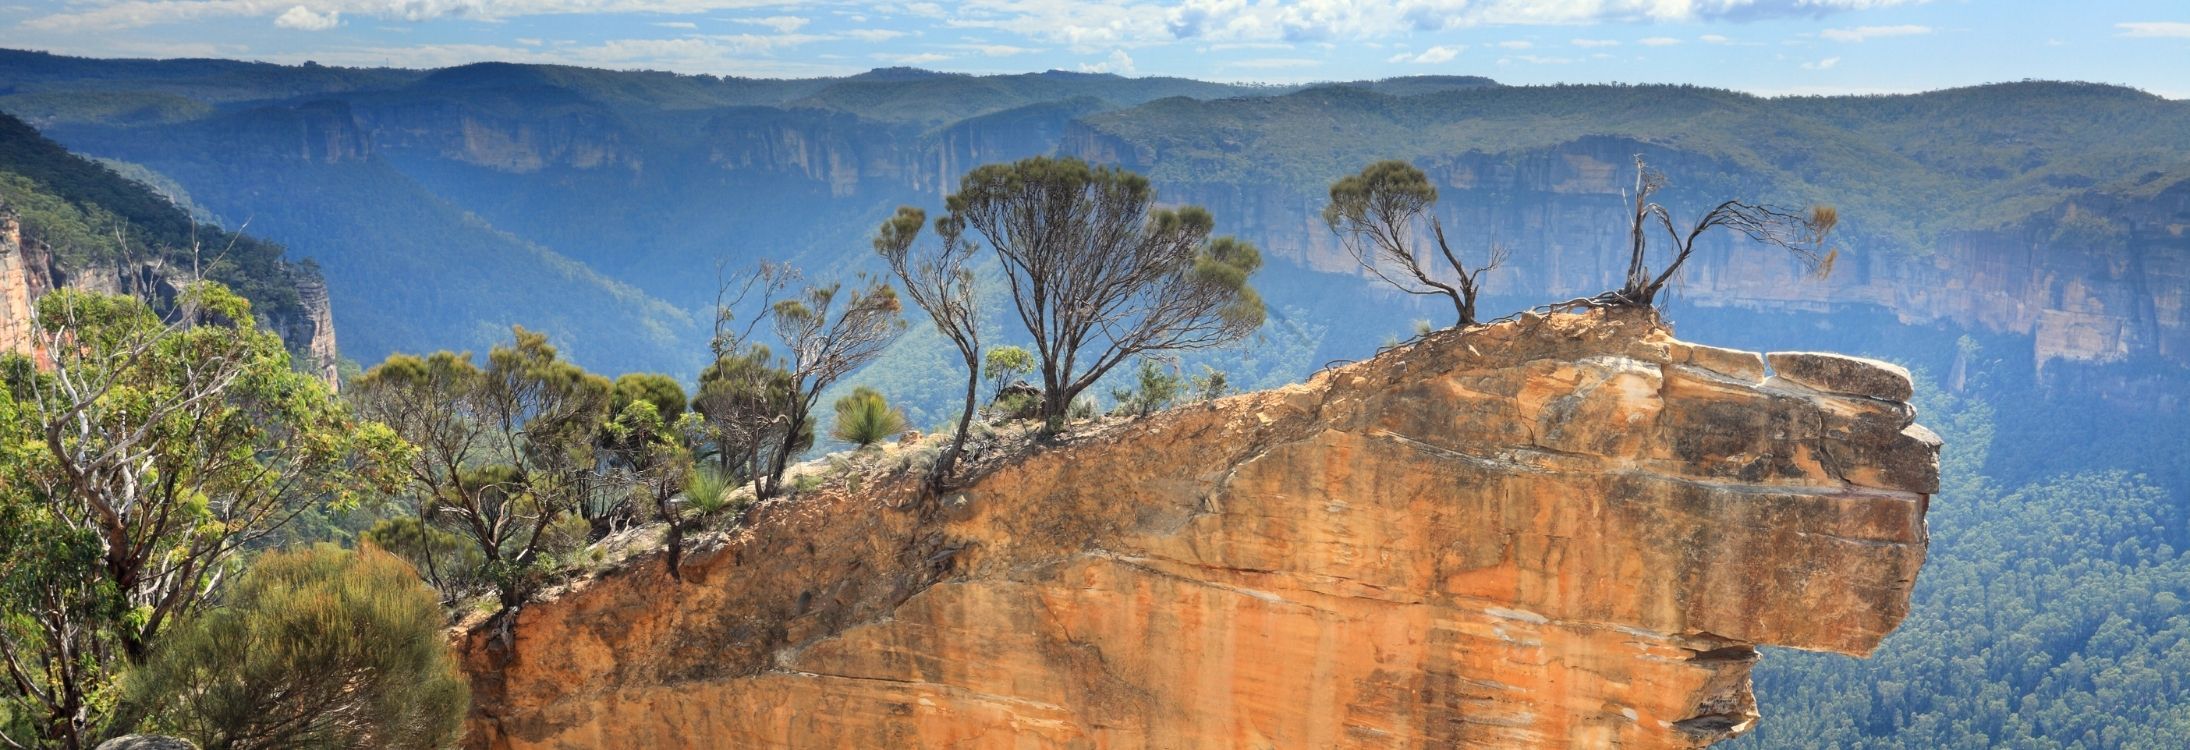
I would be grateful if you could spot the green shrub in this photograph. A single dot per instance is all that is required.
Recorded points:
(314, 648)
(1154, 389)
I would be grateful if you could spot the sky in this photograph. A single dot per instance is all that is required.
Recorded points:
(1771, 47)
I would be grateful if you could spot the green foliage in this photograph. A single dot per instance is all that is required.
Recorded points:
(708, 490)
(313, 648)
(865, 418)
(1004, 364)
(1211, 384)
(89, 215)
(139, 465)
(507, 454)
(1155, 388)
(451, 556)
(660, 390)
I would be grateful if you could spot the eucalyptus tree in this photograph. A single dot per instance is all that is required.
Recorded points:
(1098, 274)
(941, 282)
(1379, 214)
(828, 331)
(506, 452)
(139, 458)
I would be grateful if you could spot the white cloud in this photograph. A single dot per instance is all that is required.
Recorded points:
(677, 24)
(126, 14)
(1593, 43)
(1658, 41)
(1431, 56)
(782, 24)
(1867, 33)
(1515, 44)
(1088, 25)
(993, 50)
(1119, 62)
(1713, 39)
(920, 58)
(306, 19)
(873, 35)
(2165, 29)
(1825, 64)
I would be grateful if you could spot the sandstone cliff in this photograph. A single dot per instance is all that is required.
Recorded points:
(1569, 531)
(28, 269)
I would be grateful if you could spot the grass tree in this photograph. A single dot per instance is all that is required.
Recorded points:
(1379, 216)
(865, 418)
(1099, 275)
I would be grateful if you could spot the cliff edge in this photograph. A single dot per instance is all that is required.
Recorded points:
(1563, 531)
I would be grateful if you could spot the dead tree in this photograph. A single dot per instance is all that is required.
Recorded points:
(1801, 232)
(827, 332)
(1377, 214)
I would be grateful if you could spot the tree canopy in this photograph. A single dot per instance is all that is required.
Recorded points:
(1098, 274)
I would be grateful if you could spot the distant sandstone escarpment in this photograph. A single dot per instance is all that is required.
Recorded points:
(1564, 531)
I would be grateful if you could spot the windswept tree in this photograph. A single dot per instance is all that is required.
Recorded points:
(1379, 216)
(940, 282)
(829, 332)
(826, 331)
(1099, 275)
(135, 468)
(506, 452)
(1801, 232)
(744, 403)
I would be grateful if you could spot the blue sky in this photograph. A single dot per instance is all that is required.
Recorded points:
(1763, 46)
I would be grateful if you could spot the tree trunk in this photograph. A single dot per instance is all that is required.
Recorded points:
(941, 472)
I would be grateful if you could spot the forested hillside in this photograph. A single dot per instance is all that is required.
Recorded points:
(2021, 246)
(448, 204)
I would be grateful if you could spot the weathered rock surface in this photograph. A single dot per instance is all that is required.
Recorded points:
(1841, 374)
(1561, 532)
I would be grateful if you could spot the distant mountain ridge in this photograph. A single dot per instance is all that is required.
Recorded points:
(449, 204)
(69, 222)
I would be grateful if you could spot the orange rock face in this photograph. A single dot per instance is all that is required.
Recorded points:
(1562, 532)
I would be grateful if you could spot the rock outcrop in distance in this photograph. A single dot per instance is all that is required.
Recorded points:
(1563, 531)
